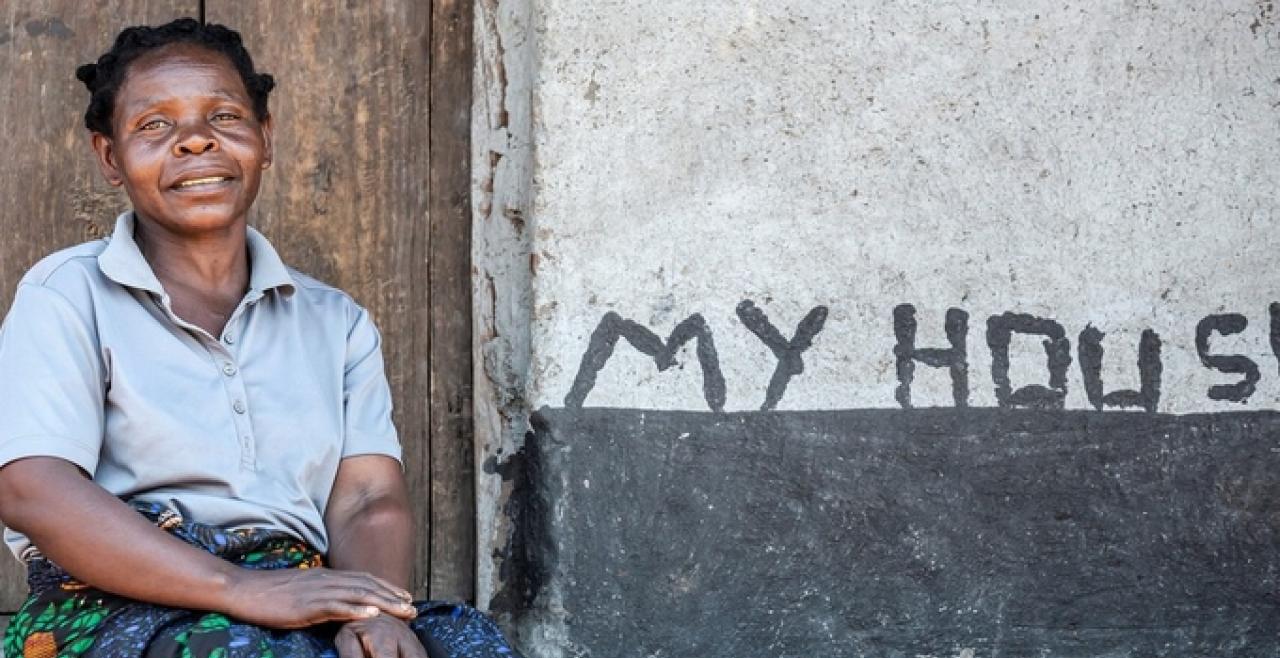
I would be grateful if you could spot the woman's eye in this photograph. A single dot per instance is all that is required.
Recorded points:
(153, 124)
(226, 116)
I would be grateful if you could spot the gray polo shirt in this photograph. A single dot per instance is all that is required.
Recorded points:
(240, 430)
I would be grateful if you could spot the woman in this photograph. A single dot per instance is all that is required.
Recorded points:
(196, 451)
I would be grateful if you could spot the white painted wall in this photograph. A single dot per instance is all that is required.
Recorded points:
(1110, 163)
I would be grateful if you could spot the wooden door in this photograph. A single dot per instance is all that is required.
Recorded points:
(369, 192)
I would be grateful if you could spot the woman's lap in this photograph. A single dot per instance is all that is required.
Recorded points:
(65, 618)
(84, 626)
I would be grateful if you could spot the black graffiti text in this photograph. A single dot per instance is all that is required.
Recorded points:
(908, 355)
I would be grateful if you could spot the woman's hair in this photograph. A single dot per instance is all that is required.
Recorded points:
(104, 77)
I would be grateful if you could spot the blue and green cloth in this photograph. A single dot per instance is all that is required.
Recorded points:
(64, 618)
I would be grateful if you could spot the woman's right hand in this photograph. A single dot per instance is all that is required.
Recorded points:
(297, 598)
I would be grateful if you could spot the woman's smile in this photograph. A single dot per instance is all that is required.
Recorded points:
(203, 183)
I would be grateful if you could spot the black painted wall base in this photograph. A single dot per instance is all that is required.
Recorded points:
(894, 533)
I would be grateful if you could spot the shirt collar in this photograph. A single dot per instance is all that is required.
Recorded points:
(266, 270)
(122, 261)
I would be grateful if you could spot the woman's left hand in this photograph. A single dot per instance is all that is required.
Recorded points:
(383, 636)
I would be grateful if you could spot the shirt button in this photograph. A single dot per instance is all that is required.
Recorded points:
(229, 339)
(228, 369)
(238, 406)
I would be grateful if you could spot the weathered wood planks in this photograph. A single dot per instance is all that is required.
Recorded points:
(452, 430)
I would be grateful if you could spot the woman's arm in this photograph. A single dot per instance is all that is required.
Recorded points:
(370, 528)
(103, 542)
(368, 519)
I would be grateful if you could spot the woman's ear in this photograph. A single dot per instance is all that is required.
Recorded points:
(107, 163)
(267, 153)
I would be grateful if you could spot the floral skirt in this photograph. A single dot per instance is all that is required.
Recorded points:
(64, 618)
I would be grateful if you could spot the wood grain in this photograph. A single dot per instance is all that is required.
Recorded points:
(347, 199)
(50, 185)
(452, 429)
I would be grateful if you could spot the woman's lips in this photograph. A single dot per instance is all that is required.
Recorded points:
(202, 184)
(204, 180)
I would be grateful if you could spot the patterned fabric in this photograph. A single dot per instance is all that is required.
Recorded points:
(64, 618)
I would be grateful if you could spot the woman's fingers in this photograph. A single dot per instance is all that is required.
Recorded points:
(372, 582)
(379, 645)
(340, 611)
(394, 606)
(348, 644)
(372, 590)
(399, 592)
(369, 596)
(359, 588)
(380, 637)
(297, 598)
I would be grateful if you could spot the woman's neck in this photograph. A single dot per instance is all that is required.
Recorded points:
(205, 276)
(210, 263)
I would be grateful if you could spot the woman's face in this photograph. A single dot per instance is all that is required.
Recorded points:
(186, 147)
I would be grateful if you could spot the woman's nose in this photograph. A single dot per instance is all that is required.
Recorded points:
(194, 141)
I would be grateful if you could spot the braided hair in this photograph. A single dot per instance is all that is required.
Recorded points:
(104, 77)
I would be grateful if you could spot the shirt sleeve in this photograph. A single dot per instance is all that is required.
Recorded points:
(366, 395)
(52, 380)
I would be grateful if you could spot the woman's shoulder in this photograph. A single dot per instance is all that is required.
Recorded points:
(324, 298)
(315, 289)
(73, 270)
(65, 284)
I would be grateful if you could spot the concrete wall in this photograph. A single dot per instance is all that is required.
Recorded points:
(729, 252)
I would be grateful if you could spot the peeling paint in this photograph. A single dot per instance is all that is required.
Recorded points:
(502, 167)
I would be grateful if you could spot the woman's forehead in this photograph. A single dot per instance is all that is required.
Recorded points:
(179, 56)
(180, 72)
(183, 50)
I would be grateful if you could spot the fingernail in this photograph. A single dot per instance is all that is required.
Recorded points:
(371, 611)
